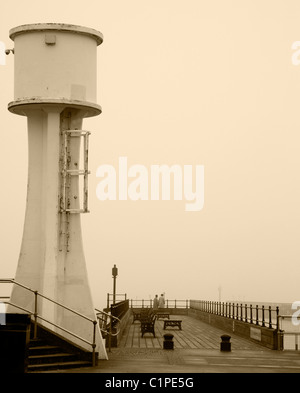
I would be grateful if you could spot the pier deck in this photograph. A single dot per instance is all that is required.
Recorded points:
(194, 335)
(196, 350)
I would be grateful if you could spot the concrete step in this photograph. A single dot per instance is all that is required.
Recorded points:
(43, 350)
(44, 356)
(58, 366)
(59, 357)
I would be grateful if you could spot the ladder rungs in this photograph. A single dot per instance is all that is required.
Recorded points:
(73, 211)
(74, 172)
(77, 132)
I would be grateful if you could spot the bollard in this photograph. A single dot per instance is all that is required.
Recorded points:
(225, 343)
(168, 341)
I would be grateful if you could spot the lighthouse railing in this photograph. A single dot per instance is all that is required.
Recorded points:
(36, 315)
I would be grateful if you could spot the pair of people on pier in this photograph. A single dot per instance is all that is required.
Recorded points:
(159, 302)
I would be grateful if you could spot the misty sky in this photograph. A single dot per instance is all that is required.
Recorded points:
(194, 82)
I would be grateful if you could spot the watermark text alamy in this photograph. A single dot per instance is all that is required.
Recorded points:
(138, 183)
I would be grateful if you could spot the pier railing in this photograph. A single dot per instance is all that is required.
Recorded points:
(257, 315)
(118, 297)
(169, 303)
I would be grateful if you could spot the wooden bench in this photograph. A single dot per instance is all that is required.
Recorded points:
(162, 315)
(172, 322)
(147, 324)
(138, 316)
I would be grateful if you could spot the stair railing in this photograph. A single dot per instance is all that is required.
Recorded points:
(36, 315)
(102, 317)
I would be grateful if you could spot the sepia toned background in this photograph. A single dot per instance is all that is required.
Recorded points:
(180, 82)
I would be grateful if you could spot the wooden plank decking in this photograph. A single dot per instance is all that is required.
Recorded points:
(194, 335)
(196, 350)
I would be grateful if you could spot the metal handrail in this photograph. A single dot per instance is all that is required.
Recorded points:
(66, 308)
(66, 330)
(110, 316)
(257, 315)
(15, 305)
(109, 332)
(169, 303)
(36, 293)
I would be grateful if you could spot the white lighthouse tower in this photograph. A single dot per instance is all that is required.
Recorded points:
(55, 88)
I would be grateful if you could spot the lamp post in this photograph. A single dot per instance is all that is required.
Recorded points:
(114, 274)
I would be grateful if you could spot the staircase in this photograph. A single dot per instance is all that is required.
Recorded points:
(20, 352)
(44, 357)
(52, 352)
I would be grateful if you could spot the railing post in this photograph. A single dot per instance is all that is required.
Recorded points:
(279, 334)
(246, 316)
(257, 314)
(94, 343)
(270, 317)
(175, 303)
(35, 314)
(263, 316)
(251, 318)
(232, 310)
(241, 318)
(109, 334)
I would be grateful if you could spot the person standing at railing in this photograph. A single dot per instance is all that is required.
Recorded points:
(155, 302)
(161, 301)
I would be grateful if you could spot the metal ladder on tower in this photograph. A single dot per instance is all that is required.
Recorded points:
(67, 174)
